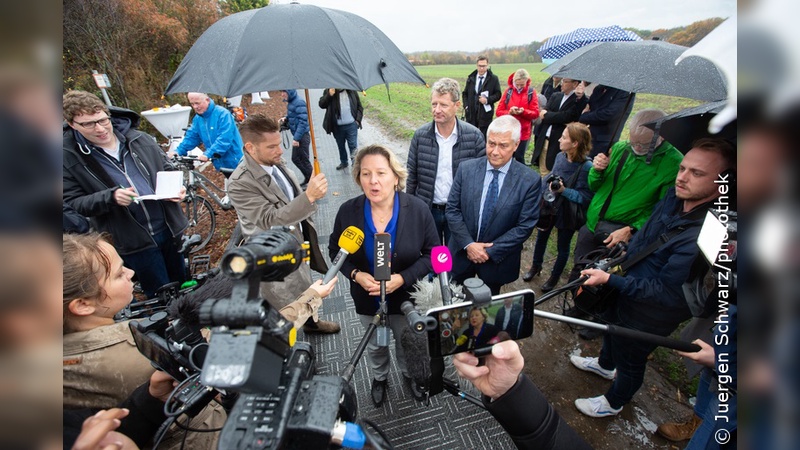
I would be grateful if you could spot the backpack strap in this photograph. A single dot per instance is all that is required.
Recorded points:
(508, 95)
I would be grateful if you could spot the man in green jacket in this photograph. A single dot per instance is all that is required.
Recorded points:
(620, 208)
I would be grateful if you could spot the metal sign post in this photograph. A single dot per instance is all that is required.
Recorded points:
(103, 83)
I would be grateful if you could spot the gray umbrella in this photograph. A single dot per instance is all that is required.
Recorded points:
(684, 127)
(643, 66)
(290, 46)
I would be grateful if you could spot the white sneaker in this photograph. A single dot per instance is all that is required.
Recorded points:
(593, 366)
(596, 407)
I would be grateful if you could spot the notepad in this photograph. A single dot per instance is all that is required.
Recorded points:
(168, 185)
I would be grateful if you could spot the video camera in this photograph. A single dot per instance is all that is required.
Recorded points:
(253, 351)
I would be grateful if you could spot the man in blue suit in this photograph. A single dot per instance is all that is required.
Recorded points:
(492, 209)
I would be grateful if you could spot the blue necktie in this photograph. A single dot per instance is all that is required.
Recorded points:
(489, 202)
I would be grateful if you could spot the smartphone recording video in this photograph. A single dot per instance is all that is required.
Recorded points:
(463, 327)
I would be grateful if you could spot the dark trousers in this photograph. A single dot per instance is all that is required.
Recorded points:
(347, 133)
(563, 240)
(484, 129)
(628, 356)
(584, 245)
(159, 265)
(442, 229)
(300, 157)
(519, 153)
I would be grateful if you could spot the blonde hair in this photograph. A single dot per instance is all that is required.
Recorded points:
(521, 74)
(399, 169)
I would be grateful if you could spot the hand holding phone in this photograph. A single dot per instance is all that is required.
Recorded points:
(499, 373)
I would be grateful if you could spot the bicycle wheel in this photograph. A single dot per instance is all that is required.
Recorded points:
(202, 220)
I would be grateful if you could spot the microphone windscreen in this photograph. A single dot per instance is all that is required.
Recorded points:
(441, 259)
(351, 239)
(418, 361)
(462, 339)
(187, 306)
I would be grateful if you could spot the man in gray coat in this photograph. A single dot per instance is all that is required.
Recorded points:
(437, 149)
(265, 194)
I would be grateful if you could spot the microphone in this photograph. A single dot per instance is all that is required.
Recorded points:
(417, 321)
(187, 306)
(383, 257)
(382, 274)
(349, 242)
(442, 263)
(418, 360)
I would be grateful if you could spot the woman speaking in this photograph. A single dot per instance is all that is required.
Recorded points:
(383, 208)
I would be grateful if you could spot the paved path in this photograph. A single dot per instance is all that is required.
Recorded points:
(448, 422)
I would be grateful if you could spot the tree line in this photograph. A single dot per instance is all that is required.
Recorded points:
(140, 43)
(686, 36)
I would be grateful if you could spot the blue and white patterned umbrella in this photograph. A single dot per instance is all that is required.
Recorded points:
(558, 46)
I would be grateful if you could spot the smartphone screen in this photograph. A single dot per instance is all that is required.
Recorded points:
(463, 327)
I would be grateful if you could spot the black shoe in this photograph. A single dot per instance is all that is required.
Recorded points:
(416, 392)
(575, 312)
(589, 334)
(378, 392)
(342, 166)
(535, 270)
(550, 284)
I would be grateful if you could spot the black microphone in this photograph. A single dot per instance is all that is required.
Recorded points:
(383, 257)
(383, 273)
(418, 360)
(187, 306)
(349, 242)
(417, 321)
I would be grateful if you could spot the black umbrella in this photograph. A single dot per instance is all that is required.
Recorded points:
(688, 125)
(643, 66)
(291, 46)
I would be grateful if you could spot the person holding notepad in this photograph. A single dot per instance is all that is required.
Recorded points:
(109, 170)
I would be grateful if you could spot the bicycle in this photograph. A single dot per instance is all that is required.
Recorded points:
(198, 271)
(198, 209)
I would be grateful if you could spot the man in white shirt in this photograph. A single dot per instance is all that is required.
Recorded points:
(438, 148)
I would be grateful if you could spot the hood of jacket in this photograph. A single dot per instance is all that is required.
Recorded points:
(511, 83)
(292, 94)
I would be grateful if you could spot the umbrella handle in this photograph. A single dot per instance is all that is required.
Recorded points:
(317, 169)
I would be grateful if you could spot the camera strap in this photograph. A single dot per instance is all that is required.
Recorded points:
(663, 239)
(621, 163)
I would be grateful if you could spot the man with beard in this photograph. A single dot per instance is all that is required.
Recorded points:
(650, 297)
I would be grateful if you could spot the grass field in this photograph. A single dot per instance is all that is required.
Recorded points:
(410, 103)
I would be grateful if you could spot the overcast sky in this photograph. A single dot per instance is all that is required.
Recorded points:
(474, 25)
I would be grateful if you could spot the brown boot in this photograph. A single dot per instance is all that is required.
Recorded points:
(677, 432)
(321, 327)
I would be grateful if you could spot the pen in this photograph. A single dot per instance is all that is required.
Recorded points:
(135, 200)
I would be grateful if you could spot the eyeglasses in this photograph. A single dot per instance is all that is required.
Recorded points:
(639, 145)
(483, 66)
(93, 123)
